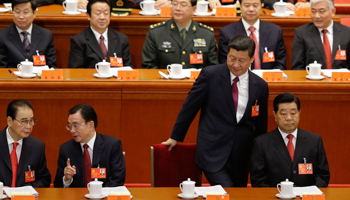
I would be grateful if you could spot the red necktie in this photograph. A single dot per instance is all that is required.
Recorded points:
(14, 164)
(87, 164)
(235, 92)
(290, 146)
(103, 47)
(256, 53)
(327, 49)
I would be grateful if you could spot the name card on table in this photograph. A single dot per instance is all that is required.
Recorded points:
(272, 76)
(194, 75)
(225, 12)
(118, 197)
(218, 197)
(165, 11)
(29, 197)
(302, 12)
(341, 76)
(314, 197)
(128, 75)
(52, 74)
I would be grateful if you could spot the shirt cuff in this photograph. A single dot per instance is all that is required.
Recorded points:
(66, 185)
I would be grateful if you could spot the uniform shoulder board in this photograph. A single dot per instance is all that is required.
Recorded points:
(206, 27)
(157, 25)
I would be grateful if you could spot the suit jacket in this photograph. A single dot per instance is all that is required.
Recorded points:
(12, 51)
(308, 47)
(33, 154)
(218, 131)
(85, 50)
(270, 36)
(107, 153)
(271, 162)
(164, 46)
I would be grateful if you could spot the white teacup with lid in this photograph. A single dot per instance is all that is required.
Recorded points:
(26, 68)
(103, 68)
(286, 188)
(280, 7)
(314, 69)
(95, 188)
(187, 188)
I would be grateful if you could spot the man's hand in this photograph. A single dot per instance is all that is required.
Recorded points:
(302, 5)
(290, 7)
(214, 3)
(82, 4)
(171, 143)
(69, 171)
(162, 3)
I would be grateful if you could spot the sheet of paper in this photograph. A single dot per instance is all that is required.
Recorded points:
(122, 190)
(259, 72)
(187, 72)
(307, 190)
(114, 70)
(21, 190)
(328, 72)
(212, 189)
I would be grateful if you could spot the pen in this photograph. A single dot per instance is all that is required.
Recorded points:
(265, 12)
(11, 72)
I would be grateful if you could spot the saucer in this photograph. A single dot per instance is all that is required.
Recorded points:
(95, 198)
(285, 198)
(280, 15)
(97, 75)
(26, 76)
(148, 13)
(177, 77)
(315, 77)
(3, 10)
(71, 13)
(202, 14)
(3, 196)
(183, 197)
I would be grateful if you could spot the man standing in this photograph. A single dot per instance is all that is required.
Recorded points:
(88, 150)
(267, 36)
(98, 42)
(180, 40)
(233, 104)
(322, 40)
(23, 160)
(23, 39)
(289, 152)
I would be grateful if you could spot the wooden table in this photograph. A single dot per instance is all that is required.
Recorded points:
(142, 113)
(136, 26)
(171, 193)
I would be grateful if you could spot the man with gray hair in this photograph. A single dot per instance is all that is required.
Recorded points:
(323, 40)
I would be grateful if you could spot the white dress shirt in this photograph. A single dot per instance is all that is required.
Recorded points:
(98, 35)
(29, 36)
(286, 140)
(10, 142)
(256, 26)
(243, 94)
(329, 34)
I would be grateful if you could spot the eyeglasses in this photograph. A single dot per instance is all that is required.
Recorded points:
(24, 122)
(75, 126)
(182, 5)
(24, 13)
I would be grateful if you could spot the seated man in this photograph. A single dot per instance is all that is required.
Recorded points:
(20, 153)
(23, 39)
(274, 158)
(267, 36)
(98, 42)
(180, 40)
(310, 43)
(87, 150)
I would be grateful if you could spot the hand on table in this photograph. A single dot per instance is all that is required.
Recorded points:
(214, 3)
(82, 4)
(161, 3)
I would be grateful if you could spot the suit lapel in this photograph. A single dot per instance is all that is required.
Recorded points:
(35, 39)
(93, 44)
(316, 38)
(25, 155)
(98, 150)
(4, 149)
(337, 33)
(299, 146)
(264, 34)
(16, 40)
(240, 28)
(112, 44)
(281, 146)
(175, 34)
(252, 98)
(227, 89)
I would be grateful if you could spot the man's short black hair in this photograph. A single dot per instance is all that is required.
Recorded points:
(241, 1)
(91, 2)
(86, 111)
(242, 43)
(16, 2)
(13, 106)
(285, 98)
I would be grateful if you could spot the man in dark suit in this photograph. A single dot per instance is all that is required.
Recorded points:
(309, 44)
(233, 104)
(88, 150)
(179, 40)
(21, 154)
(98, 42)
(274, 158)
(269, 36)
(23, 39)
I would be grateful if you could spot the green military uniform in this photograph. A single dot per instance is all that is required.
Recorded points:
(164, 46)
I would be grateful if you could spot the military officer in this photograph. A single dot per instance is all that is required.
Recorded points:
(180, 40)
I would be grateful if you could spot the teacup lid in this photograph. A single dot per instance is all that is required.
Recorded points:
(26, 62)
(287, 182)
(104, 62)
(189, 181)
(315, 64)
(281, 2)
(96, 182)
